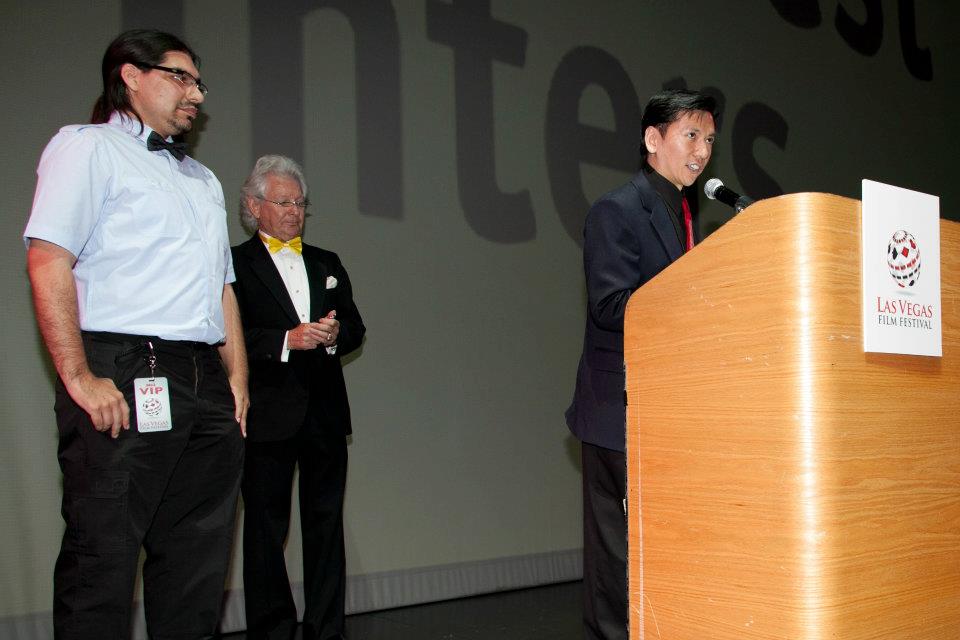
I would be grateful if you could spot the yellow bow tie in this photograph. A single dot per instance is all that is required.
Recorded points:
(274, 245)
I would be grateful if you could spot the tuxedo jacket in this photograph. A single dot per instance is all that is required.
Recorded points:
(628, 238)
(281, 393)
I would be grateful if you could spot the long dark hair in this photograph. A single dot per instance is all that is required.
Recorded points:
(140, 47)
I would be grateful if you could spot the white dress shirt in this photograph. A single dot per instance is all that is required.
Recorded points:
(294, 275)
(149, 232)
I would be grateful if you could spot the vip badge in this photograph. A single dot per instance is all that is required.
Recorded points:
(153, 404)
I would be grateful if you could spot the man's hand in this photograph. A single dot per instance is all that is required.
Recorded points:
(330, 326)
(50, 267)
(311, 335)
(241, 403)
(100, 398)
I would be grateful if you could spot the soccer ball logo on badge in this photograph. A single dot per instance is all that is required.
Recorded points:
(903, 259)
(152, 406)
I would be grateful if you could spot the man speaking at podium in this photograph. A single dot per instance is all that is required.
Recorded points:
(630, 235)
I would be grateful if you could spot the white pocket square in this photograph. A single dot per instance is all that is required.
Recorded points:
(331, 282)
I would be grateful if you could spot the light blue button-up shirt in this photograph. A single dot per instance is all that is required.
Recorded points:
(149, 232)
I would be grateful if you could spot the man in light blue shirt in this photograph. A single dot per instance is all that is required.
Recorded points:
(130, 264)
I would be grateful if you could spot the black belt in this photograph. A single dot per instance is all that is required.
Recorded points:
(159, 344)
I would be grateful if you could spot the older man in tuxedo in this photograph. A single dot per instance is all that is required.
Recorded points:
(299, 319)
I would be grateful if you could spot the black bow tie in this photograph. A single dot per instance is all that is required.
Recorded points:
(155, 142)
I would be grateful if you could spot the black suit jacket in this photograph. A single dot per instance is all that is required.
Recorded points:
(628, 238)
(281, 393)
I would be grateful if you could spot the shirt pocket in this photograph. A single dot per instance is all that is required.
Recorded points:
(146, 207)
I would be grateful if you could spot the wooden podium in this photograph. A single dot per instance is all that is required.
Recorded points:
(782, 483)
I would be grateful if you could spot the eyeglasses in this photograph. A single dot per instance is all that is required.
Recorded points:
(185, 78)
(286, 204)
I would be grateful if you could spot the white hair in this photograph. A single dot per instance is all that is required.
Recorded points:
(256, 182)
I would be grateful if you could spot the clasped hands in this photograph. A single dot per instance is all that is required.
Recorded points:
(310, 335)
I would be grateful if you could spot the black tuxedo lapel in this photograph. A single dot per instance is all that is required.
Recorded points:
(261, 264)
(660, 220)
(317, 278)
(659, 217)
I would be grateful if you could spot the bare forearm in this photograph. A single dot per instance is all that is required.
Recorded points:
(55, 305)
(55, 300)
(233, 352)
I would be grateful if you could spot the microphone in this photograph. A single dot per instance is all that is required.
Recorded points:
(715, 190)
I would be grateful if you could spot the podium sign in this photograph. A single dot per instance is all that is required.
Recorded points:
(900, 253)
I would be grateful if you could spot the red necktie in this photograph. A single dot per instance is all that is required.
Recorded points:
(688, 223)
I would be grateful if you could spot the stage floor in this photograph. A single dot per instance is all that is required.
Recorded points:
(552, 612)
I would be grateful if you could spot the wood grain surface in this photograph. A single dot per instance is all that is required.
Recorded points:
(783, 484)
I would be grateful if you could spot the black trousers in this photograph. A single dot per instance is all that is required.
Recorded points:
(172, 492)
(321, 455)
(605, 613)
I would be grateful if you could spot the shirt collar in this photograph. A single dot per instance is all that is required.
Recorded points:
(264, 236)
(132, 125)
(672, 196)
